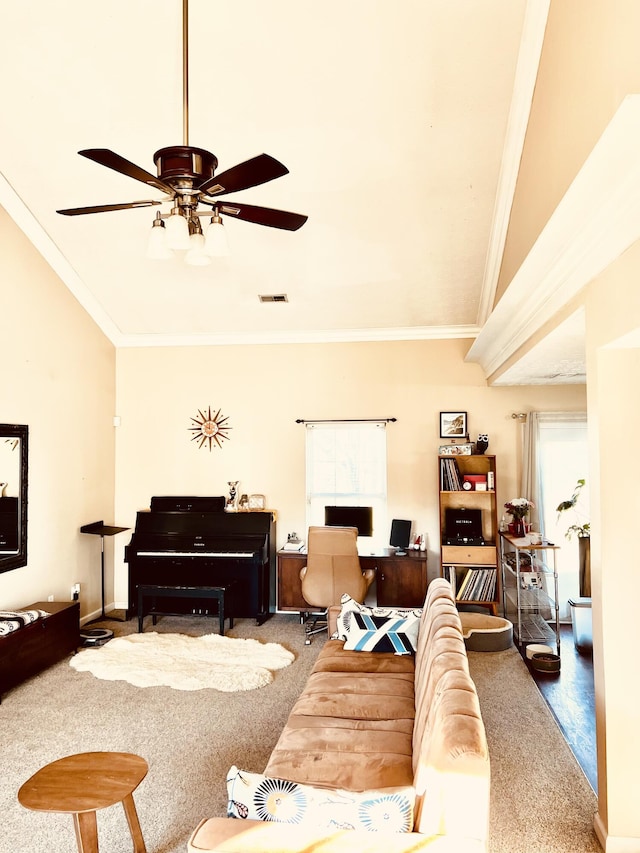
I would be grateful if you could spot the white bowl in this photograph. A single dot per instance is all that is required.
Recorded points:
(537, 648)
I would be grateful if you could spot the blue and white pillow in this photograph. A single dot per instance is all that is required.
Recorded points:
(258, 797)
(349, 606)
(397, 634)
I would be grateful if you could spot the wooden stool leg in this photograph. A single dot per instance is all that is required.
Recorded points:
(86, 827)
(134, 824)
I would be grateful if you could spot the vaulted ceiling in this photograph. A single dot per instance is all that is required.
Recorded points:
(400, 124)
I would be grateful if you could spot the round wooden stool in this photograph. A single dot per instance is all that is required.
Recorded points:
(81, 784)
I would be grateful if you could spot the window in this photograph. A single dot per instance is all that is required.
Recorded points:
(347, 466)
(563, 461)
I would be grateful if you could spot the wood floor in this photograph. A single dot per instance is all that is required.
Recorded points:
(571, 698)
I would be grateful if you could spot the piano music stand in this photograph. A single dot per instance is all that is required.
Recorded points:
(99, 528)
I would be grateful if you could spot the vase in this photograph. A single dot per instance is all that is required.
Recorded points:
(519, 528)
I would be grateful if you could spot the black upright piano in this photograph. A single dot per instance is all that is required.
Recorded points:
(192, 541)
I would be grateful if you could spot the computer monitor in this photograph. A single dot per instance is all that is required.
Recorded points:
(350, 516)
(400, 534)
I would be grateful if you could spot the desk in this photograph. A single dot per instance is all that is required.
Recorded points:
(400, 581)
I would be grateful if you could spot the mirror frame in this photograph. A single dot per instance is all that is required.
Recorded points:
(14, 561)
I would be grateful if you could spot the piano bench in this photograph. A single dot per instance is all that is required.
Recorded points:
(160, 591)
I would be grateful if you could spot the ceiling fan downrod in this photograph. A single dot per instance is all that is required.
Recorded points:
(185, 72)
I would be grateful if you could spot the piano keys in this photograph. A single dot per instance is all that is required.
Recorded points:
(191, 541)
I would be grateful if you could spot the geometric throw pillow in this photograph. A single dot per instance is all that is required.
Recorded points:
(381, 634)
(256, 797)
(349, 606)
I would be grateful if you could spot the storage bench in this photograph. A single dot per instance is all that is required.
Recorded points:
(29, 650)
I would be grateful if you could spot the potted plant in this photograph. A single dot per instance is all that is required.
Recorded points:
(582, 530)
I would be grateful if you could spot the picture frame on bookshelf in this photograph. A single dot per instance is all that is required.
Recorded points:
(456, 449)
(453, 425)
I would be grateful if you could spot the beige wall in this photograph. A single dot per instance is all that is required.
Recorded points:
(589, 64)
(264, 389)
(613, 352)
(58, 377)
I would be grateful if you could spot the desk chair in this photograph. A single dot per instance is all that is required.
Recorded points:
(333, 568)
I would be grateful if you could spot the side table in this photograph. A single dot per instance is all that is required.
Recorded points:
(81, 784)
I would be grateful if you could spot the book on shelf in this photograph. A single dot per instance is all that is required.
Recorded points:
(450, 477)
(478, 585)
(465, 585)
(449, 574)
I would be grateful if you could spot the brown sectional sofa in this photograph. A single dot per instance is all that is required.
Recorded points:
(370, 721)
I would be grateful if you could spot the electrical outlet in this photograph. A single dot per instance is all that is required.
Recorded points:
(50, 598)
(75, 591)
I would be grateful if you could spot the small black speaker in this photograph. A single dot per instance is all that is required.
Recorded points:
(400, 533)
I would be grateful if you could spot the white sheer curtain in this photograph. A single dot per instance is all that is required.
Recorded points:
(554, 457)
(530, 484)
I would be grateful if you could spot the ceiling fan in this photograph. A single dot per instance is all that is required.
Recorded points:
(186, 175)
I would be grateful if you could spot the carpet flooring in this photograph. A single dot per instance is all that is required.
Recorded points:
(540, 799)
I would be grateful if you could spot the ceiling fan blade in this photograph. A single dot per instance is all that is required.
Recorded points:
(263, 215)
(105, 208)
(111, 160)
(251, 173)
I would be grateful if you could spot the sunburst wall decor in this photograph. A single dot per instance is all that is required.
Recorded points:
(209, 428)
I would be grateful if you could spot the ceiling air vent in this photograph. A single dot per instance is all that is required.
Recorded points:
(274, 297)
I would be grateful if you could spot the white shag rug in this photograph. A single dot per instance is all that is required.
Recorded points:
(223, 663)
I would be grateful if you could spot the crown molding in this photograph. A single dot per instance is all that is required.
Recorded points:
(323, 336)
(36, 234)
(596, 220)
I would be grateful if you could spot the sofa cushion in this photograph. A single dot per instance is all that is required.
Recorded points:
(353, 754)
(357, 696)
(255, 796)
(349, 606)
(452, 762)
(334, 658)
(370, 633)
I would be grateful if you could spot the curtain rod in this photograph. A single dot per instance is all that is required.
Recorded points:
(348, 421)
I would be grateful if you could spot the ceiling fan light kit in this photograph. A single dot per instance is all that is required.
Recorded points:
(177, 231)
(186, 176)
(157, 248)
(216, 245)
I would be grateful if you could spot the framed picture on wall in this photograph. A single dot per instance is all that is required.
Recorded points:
(453, 424)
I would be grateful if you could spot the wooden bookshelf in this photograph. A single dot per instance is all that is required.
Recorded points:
(471, 567)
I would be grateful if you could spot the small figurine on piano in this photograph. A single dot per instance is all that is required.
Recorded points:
(232, 500)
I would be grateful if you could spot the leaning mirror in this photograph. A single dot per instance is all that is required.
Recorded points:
(14, 441)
